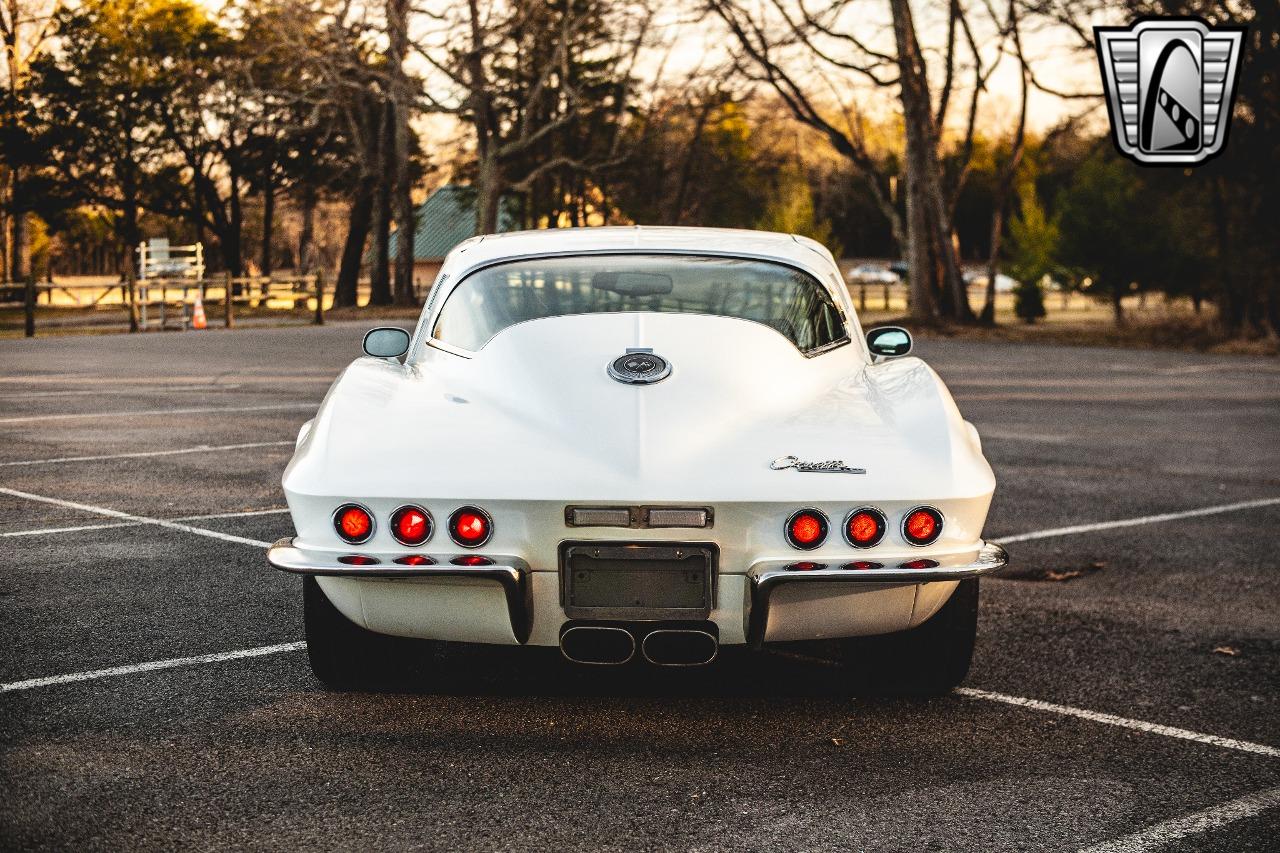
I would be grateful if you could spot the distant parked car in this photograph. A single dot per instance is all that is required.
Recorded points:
(1004, 283)
(873, 274)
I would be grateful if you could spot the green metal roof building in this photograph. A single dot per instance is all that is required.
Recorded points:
(444, 220)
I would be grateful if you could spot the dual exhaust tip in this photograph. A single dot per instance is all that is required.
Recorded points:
(602, 645)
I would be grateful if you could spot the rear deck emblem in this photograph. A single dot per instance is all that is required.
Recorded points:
(831, 466)
(1170, 85)
(639, 367)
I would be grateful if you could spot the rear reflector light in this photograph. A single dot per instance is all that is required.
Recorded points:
(411, 525)
(470, 526)
(599, 516)
(862, 564)
(919, 564)
(471, 560)
(864, 527)
(357, 560)
(922, 525)
(806, 529)
(676, 517)
(806, 567)
(416, 560)
(353, 523)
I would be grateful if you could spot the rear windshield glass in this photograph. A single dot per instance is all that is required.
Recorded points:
(789, 301)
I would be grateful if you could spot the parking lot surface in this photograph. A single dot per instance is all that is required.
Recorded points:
(1125, 693)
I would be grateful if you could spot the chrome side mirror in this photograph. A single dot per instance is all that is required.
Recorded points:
(386, 342)
(888, 342)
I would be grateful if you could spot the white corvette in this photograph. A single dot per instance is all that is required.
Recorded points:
(641, 443)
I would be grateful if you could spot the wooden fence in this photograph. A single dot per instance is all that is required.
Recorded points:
(165, 303)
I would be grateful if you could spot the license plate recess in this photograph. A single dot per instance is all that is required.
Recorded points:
(644, 581)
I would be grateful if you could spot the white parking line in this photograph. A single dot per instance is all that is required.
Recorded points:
(45, 531)
(200, 448)
(151, 666)
(1161, 834)
(118, 391)
(1134, 522)
(1123, 722)
(970, 692)
(25, 419)
(140, 519)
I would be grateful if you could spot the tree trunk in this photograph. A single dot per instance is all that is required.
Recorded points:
(380, 275)
(488, 194)
(306, 239)
(924, 173)
(398, 25)
(268, 223)
(988, 316)
(21, 238)
(358, 220)
(1117, 306)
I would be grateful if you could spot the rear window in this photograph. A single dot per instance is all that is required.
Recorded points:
(791, 302)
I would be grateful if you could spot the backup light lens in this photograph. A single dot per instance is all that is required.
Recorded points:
(864, 527)
(922, 526)
(806, 566)
(411, 525)
(357, 560)
(806, 529)
(353, 523)
(471, 560)
(862, 564)
(919, 564)
(415, 560)
(470, 526)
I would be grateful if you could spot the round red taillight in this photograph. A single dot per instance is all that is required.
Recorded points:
(415, 560)
(864, 527)
(922, 525)
(470, 526)
(471, 560)
(353, 523)
(806, 529)
(411, 525)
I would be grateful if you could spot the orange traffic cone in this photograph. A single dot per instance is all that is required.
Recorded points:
(198, 320)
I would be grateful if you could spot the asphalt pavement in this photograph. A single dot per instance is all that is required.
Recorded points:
(1125, 690)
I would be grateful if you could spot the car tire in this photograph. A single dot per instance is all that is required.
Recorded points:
(345, 656)
(930, 659)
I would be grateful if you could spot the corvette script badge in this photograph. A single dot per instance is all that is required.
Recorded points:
(831, 466)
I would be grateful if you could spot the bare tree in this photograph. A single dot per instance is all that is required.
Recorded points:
(26, 28)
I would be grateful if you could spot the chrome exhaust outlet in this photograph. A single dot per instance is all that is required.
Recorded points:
(679, 647)
(598, 645)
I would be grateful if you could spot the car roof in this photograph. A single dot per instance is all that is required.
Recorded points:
(495, 248)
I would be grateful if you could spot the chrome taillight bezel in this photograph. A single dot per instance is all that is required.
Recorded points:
(488, 526)
(337, 524)
(882, 526)
(938, 517)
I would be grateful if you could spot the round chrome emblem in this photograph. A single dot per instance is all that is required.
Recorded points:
(639, 368)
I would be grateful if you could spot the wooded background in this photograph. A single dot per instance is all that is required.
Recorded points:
(302, 134)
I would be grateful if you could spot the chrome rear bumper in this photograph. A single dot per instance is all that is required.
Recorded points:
(512, 573)
(766, 577)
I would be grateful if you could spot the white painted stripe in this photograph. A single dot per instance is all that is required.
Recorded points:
(150, 666)
(200, 448)
(197, 411)
(1169, 831)
(44, 531)
(193, 389)
(140, 519)
(1134, 522)
(1123, 722)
